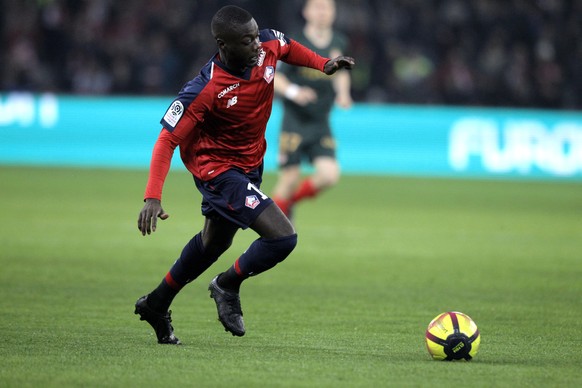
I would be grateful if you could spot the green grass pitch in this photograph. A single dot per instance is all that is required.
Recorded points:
(378, 258)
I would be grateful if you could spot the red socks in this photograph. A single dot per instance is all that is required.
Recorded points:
(306, 190)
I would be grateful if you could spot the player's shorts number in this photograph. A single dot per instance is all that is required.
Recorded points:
(250, 186)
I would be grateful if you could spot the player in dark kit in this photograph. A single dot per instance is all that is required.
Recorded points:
(306, 133)
(219, 120)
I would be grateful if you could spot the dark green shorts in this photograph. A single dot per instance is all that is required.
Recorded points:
(295, 148)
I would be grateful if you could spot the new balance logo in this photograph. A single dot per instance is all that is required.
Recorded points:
(231, 101)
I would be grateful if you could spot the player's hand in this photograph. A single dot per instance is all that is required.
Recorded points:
(341, 62)
(148, 216)
(305, 95)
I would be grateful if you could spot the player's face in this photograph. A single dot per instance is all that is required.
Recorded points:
(241, 48)
(320, 13)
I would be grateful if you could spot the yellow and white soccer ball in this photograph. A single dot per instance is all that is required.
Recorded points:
(452, 336)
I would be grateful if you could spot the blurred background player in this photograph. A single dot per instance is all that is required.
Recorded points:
(308, 99)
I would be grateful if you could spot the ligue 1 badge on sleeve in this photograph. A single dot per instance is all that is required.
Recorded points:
(269, 74)
(174, 113)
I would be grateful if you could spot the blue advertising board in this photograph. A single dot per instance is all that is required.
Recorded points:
(53, 130)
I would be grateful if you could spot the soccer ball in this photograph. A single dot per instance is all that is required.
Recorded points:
(452, 336)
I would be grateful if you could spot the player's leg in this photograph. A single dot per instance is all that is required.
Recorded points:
(198, 254)
(286, 185)
(326, 174)
(290, 151)
(327, 171)
(278, 239)
(249, 207)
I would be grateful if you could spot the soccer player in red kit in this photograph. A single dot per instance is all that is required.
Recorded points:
(219, 120)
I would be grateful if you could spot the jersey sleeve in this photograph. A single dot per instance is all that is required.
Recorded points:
(160, 164)
(190, 107)
(299, 55)
(294, 53)
(181, 121)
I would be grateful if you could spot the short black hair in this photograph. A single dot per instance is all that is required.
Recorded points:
(228, 18)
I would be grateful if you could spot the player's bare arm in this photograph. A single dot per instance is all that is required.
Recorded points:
(341, 62)
(341, 84)
(301, 95)
(148, 216)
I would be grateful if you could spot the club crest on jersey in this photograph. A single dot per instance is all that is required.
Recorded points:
(252, 201)
(174, 113)
(269, 74)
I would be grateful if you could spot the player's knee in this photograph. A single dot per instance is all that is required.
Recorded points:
(265, 253)
(289, 244)
(327, 177)
(281, 247)
(217, 247)
(332, 178)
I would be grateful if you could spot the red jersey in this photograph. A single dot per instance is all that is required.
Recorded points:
(219, 118)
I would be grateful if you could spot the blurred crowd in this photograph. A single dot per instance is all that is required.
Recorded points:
(522, 53)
